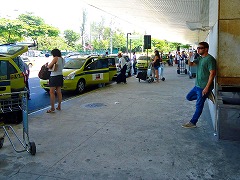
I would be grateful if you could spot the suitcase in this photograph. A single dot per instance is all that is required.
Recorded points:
(121, 78)
(142, 75)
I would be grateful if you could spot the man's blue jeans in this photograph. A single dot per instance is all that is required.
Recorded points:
(196, 94)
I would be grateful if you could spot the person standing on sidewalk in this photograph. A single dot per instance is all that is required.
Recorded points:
(206, 71)
(134, 63)
(156, 64)
(123, 66)
(56, 79)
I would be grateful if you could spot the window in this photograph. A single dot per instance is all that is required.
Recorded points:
(73, 63)
(12, 69)
(93, 65)
(98, 64)
(103, 63)
(111, 62)
(6, 69)
(3, 68)
(19, 62)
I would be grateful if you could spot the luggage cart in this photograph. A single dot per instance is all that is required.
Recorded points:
(181, 69)
(146, 75)
(160, 70)
(12, 102)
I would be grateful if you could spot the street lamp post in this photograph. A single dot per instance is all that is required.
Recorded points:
(127, 41)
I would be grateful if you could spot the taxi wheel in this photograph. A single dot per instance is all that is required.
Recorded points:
(80, 86)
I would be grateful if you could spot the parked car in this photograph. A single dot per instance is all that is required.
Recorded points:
(143, 62)
(129, 63)
(12, 82)
(81, 71)
(11, 67)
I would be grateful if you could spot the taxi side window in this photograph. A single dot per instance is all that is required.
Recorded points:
(98, 64)
(12, 69)
(19, 63)
(111, 61)
(103, 63)
(93, 65)
(89, 61)
(3, 68)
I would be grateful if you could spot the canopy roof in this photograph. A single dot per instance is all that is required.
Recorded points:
(185, 21)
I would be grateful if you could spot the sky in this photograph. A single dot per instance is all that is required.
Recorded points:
(61, 14)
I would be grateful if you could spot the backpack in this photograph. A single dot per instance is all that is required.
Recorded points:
(44, 73)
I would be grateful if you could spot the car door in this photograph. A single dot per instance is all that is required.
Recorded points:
(16, 77)
(112, 68)
(16, 68)
(97, 71)
(5, 86)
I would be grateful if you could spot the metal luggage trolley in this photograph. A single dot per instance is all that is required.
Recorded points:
(160, 70)
(182, 69)
(146, 75)
(17, 101)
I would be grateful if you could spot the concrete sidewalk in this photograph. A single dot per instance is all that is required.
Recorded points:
(124, 131)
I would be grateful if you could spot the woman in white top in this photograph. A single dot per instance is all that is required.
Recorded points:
(56, 79)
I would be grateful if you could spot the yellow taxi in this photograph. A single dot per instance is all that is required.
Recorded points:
(143, 62)
(81, 71)
(11, 67)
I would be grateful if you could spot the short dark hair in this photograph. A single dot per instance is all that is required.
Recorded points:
(56, 52)
(204, 44)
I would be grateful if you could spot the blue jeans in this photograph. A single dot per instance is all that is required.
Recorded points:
(196, 94)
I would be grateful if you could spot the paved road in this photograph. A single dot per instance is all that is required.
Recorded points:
(39, 97)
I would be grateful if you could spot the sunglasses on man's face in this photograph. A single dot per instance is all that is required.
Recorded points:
(200, 47)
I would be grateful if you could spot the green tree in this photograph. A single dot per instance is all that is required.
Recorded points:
(161, 45)
(49, 43)
(11, 30)
(36, 27)
(119, 40)
(71, 37)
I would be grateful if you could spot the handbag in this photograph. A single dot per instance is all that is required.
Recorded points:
(44, 73)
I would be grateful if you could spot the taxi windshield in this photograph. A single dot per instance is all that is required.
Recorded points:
(73, 63)
(143, 58)
(10, 49)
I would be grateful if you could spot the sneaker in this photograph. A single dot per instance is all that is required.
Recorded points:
(211, 97)
(189, 125)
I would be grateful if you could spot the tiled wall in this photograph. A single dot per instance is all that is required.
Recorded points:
(229, 43)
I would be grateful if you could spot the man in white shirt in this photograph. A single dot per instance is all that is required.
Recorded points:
(123, 66)
(134, 63)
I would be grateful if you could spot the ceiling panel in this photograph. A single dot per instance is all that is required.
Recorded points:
(165, 19)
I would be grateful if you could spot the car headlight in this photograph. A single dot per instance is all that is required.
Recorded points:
(70, 76)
